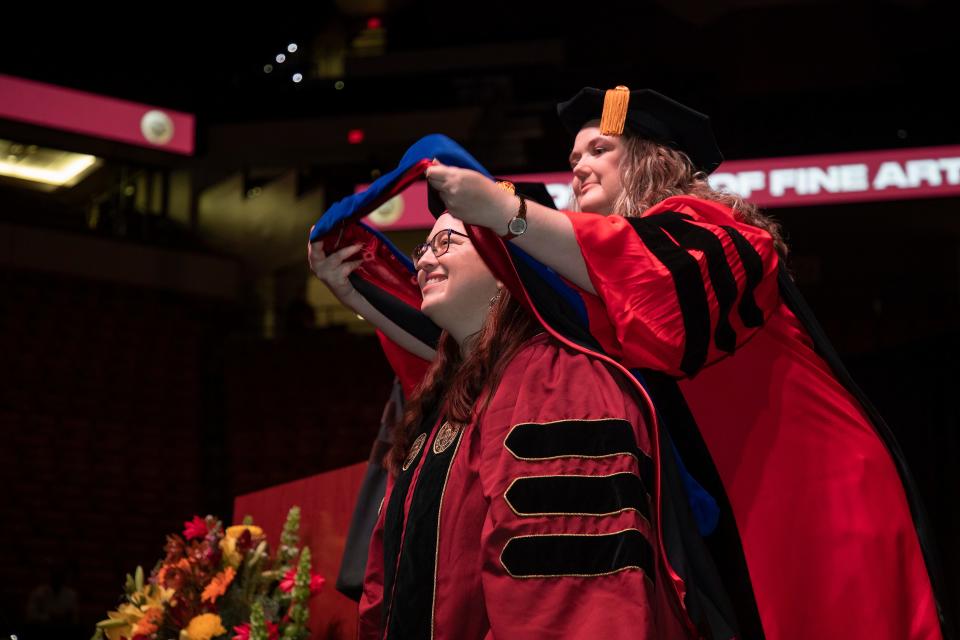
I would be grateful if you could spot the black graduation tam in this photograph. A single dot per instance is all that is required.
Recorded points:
(533, 191)
(648, 114)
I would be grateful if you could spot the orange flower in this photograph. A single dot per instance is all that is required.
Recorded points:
(183, 563)
(149, 623)
(218, 585)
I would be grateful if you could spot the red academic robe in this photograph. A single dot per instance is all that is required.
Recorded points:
(537, 520)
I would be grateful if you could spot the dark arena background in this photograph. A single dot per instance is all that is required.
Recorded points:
(165, 351)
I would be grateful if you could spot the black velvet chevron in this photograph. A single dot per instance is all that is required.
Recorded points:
(578, 438)
(577, 555)
(671, 250)
(578, 495)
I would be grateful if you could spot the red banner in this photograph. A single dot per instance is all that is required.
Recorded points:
(97, 116)
(927, 172)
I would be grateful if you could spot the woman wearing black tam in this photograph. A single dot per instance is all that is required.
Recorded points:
(685, 284)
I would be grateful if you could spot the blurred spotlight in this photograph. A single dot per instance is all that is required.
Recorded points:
(374, 23)
(338, 85)
(355, 136)
(297, 77)
(281, 58)
(292, 47)
(267, 68)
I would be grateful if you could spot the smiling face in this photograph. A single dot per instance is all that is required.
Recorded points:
(595, 161)
(457, 286)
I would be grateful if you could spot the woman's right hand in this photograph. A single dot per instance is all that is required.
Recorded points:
(472, 197)
(333, 270)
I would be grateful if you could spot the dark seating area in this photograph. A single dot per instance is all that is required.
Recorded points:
(124, 411)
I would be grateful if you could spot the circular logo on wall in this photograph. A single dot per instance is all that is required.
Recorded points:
(388, 213)
(157, 127)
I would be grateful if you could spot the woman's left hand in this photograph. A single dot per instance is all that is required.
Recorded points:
(472, 197)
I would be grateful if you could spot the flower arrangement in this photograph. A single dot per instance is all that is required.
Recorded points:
(215, 583)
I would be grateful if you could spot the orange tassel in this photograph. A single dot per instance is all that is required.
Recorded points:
(615, 104)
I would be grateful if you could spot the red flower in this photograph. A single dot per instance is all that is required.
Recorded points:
(289, 578)
(196, 528)
(244, 541)
(316, 583)
(174, 548)
(243, 631)
(176, 576)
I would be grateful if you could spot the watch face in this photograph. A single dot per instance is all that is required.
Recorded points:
(517, 226)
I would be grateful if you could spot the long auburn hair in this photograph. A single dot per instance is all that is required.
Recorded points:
(651, 172)
(454, 383)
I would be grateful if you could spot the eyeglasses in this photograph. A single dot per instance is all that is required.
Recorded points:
(439, 244)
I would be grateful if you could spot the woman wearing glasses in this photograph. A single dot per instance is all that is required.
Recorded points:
(519, 506)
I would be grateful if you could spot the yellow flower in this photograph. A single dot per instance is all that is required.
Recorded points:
(203, 627)
(230, 554)
(229, 543)
(130, 619)
(166, 595)
(237, 530)
(119, 623)
(153, 596)
(218, 585)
